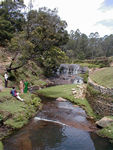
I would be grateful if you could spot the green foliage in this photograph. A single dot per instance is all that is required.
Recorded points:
(106, 132)
(44, 34)
(91, 47)
(11, 10)
(1, 146)
(16, 123)
(85, 76)
(89, 65)
(35, 101)
(46, 29)
(20, 111)
(6, 31)
(1, 117)
(11, 19)
(92, 91)
(30, 72)
(21, 45)
(52, 59)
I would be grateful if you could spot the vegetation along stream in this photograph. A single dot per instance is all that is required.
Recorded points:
(58, 126)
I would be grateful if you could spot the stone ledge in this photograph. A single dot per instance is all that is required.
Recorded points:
(100, 88)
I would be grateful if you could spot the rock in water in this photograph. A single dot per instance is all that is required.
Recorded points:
(104, 122)
(61, 99)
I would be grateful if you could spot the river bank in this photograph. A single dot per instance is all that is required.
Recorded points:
(73, 93)
(14, 114)
(58, 125)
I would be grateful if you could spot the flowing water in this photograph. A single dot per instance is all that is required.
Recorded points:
(58, 126)
(68, 74)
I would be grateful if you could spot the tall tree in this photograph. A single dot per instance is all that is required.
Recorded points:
(45, 37)
(93, 43)
(11, 18)
(46, 29)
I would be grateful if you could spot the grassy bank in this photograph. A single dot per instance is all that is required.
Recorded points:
(93, 96)
(65, 91)
(103, 77)
(13, 113)
(107, 131)
(1, 146)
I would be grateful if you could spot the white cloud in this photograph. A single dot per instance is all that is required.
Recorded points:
(79, 14)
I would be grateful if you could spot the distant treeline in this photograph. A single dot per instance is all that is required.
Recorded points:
(81, 46)
(41, 36)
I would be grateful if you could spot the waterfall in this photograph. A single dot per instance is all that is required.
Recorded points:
(68, 69)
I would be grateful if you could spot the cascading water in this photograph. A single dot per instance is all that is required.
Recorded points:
(69, 73)
(69, 69)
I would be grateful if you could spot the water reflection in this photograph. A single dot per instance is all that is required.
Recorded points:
(101, 143)
(52, 134)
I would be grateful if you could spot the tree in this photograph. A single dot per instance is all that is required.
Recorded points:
(6, 31)
(41, 40)
(10, 10)
(11, 18)
(52, 59)
(46, 29)
(22, 50)
(93, 43)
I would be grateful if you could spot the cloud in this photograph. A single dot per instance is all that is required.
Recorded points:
(107, 23)
(106, 5)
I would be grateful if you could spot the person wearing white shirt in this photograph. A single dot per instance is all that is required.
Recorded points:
(6, 79)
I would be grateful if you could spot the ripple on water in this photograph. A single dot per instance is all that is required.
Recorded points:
(54, 128)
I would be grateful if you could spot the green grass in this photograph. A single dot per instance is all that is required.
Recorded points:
(65, 91)
(103, 77)
(5, 94)
(1, 146)
(107, 131)
(20, 112)
(89, 65)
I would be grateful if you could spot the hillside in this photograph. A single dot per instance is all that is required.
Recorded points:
(103, 77)
(14, 113)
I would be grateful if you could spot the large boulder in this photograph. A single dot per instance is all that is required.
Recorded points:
(104, 122)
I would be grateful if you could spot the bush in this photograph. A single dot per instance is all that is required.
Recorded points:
(85, 77)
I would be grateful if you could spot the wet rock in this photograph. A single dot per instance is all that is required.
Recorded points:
(61, 99)
(104, 122)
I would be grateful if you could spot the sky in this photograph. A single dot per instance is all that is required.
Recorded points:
(86, 15)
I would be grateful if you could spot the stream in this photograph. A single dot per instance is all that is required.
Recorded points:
(58, 126)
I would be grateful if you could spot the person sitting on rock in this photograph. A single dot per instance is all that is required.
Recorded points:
(15, 94)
